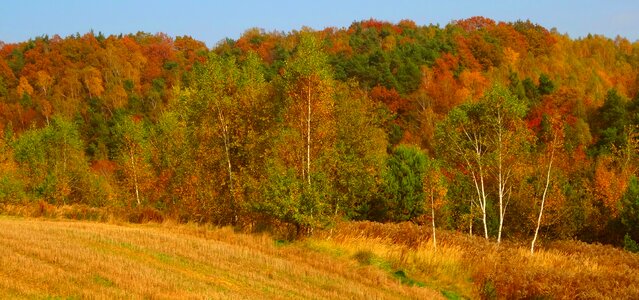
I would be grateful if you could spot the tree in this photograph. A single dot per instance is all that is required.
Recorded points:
(360, 152)
(133, 155)
(404, 183)
(554, 144)
(216, 86)
(509, 138)
(630, 209)
(434, 191)
(53, 161)
(463, 140)
(309, 87)
(299, 186)
(487, 137)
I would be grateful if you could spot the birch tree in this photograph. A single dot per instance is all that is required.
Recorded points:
(555, 143)
(133, 156)
(509, 138)
(216, 86)
(309, 88)
(434, 191)
(488, 140)
(463, 140)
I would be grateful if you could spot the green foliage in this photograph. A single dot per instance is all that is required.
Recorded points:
(610, 121)
(630, 208)
(286, 198)
(53, 159)
(361, 154)
(546, 86)
(12, 189)
(629, 244)
(403, 183)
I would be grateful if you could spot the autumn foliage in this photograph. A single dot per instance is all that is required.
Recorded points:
(293, 131)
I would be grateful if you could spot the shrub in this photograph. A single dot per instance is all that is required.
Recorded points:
(629, 244)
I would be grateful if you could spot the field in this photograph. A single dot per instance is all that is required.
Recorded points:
(67, 259)
(47, 258)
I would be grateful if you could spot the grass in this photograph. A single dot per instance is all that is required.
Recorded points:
(471, 267)
(61, 259)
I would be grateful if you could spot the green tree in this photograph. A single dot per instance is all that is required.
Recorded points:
(133, 156)
(53, 160)
(360, 152)
(310, 91)
(404, 183)
(216, 85)
(464, 140)
(630, 209)
(509, 139)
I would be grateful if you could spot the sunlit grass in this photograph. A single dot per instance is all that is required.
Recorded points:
(472, 267)
(48, 259)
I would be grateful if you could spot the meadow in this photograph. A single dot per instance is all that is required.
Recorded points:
(56, 257)
(45, 258)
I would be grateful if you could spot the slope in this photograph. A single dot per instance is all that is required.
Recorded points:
(51, 259)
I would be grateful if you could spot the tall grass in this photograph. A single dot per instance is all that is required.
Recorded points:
(472, 267)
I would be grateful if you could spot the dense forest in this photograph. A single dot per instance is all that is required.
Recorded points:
(501, 130)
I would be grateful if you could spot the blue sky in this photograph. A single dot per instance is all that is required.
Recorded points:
(211, 21)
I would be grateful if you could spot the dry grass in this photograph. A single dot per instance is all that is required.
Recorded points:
(471, 267)
(48, 258)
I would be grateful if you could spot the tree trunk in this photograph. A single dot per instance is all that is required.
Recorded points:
(470, 226)
(231, 186)
(432, 210)
(543, 201)
(135, 176)
(308, 136)
(483, 202)
(501, 184)
(229, 166)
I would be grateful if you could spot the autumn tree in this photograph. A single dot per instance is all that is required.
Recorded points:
(133, 156)
(463, 140)
(216, 86)
(304, 148)
(487, 138)
(434, 191)
(509, 138)
(554, 142)
(309, 88)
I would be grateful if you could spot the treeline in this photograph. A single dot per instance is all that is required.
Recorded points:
(469, 127)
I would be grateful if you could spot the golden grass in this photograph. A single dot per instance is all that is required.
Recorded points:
(47, 258)
(471, 267)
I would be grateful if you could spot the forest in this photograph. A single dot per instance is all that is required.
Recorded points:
(503, 130)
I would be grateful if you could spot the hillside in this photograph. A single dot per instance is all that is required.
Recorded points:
(508, 130)
(63, 259)
(48, 258)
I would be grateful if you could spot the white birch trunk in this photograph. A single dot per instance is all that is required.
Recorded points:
(308, 136)
(226, 138)
(543, 201)
(135, 176)
(432, 210)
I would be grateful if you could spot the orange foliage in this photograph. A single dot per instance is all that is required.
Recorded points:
(475, 23)
(393, 100)
(609, 184)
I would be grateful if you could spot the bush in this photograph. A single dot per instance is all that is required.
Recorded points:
(629, 244)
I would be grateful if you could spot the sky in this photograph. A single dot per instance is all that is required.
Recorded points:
(213, 21)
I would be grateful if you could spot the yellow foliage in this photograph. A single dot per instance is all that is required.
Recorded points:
(24, 87)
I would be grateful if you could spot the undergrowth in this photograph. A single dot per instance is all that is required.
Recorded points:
(471, 267)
